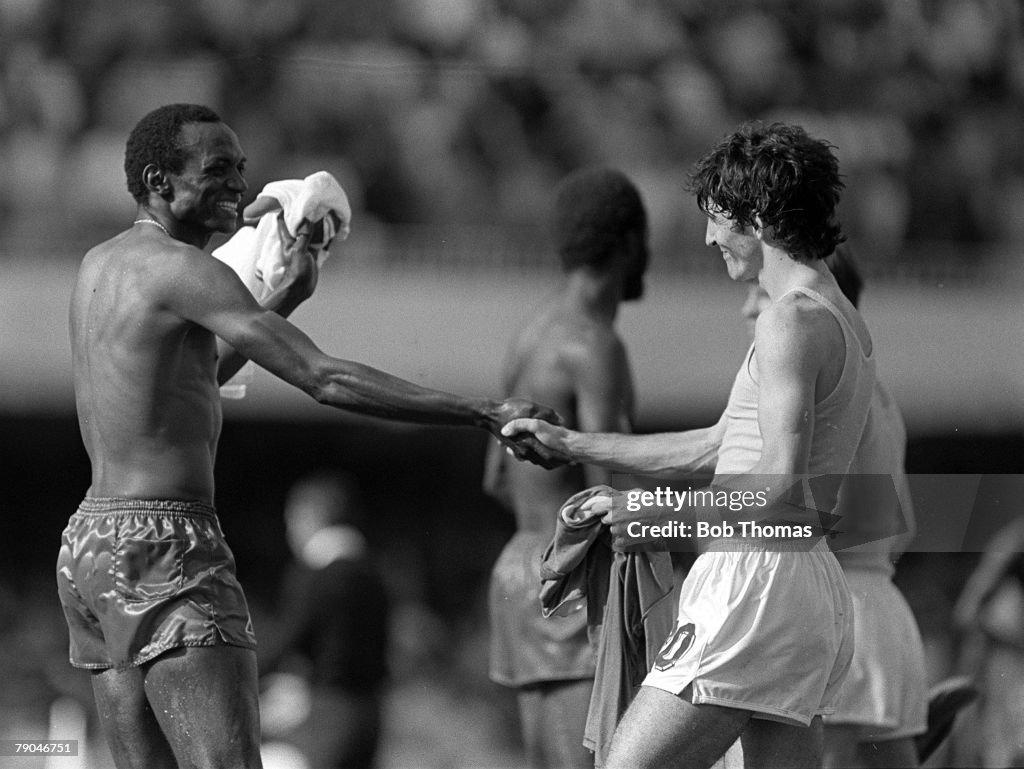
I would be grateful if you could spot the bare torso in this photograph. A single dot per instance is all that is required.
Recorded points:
(145, 378)
(576, 364)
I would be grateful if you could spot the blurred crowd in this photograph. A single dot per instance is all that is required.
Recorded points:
(449, 123)
(462, 114)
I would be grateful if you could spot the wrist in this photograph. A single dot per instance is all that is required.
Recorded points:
(283, 300)
(575, 444)
(286, 306)
(486, 414)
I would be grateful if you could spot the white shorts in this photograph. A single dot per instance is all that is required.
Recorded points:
(886, 689)
(761, 630)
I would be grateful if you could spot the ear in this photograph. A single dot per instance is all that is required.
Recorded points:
(156, 180)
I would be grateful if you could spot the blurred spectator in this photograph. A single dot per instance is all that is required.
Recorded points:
(450, 112)
(332, 631)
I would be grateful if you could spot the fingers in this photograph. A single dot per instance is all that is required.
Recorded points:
(547, 414)
(521, 425)
(531, 449)
(302, 234)
(526, 448)
(264, 204)
(600, 503)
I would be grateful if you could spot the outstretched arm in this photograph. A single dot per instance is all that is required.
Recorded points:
(788, 363)
(212, 297)
(659, 455)
(790, 356)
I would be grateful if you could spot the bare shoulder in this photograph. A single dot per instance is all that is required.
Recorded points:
(182, 275)
(792, 314)
(132, 256)
(586, 339)
(793, 327)
(556, 352)
(166, 281)
(561, 338)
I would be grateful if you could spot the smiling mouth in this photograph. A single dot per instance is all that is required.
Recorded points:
(228, 207)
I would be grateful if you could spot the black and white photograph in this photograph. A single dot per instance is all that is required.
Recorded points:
(511, 384)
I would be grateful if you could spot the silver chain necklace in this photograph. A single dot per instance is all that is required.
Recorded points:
(153, 221)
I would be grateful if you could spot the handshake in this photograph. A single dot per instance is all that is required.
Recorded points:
(540, 438)
(526, 429)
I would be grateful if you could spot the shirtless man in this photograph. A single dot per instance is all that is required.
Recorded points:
(763, 634)
(146, 580)
(570, 356)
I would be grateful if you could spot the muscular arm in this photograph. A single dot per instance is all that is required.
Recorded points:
(296, 285)
(788, 362)
(789, 352)
(789, 359)
(210, 296)
(229, 359)
(659, 455)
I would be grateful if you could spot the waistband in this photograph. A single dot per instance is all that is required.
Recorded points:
(158, 507)
(763, 545)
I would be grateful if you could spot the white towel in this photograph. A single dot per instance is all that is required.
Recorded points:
(256, 253)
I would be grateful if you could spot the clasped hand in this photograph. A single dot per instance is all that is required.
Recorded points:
(613, 507)
(525, 446)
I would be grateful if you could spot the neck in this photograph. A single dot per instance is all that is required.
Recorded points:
(781, 272)
(173, 227)
(594, 294)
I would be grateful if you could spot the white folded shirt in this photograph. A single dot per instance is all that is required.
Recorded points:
(256, 253)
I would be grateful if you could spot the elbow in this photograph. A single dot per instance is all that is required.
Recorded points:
(323, 390)
(330, 387)
(317, 383)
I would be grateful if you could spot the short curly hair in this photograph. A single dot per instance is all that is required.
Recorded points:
(156, 139)
(594, 209)
(780, 174)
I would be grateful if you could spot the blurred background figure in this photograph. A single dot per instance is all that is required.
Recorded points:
(990, 617)
(568, 355)
(883, 704)
(325, 661)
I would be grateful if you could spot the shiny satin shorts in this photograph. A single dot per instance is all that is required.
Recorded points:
(137, 577)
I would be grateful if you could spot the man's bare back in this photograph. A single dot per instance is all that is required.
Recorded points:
(570, 355)
(577, 363)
